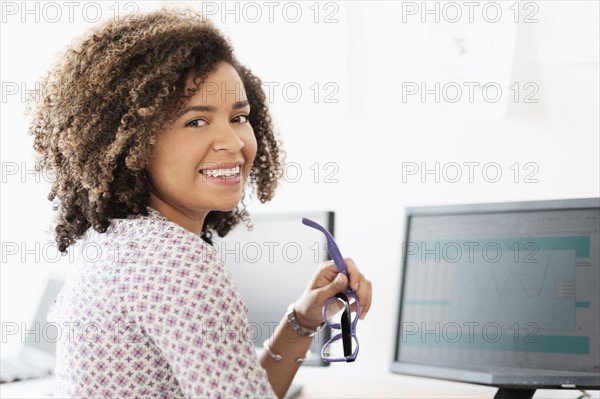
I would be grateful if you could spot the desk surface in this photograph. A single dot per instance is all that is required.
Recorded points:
(329, 383)
(38, 388)
(322, 383)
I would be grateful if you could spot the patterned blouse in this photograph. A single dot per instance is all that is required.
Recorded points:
(150, 311)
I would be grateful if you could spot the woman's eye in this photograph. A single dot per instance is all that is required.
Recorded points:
(196, 123)
(241, 118)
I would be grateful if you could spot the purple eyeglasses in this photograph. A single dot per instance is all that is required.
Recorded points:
(344, 328)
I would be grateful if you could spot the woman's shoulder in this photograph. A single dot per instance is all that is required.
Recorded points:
(163, 262)
(153, 238)
(153, 228)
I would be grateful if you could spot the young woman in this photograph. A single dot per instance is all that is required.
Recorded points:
(153, 130)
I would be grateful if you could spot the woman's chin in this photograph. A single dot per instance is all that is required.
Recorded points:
(225, 207)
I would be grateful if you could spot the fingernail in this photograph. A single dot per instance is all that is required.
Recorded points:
(355, 288)
(339, 279)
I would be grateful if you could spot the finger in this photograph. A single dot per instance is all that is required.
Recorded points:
(360, 285)
(364, 299)
(339, 284)
(325, 275)
(364, 296)
(368, 299)
(329, 267)
(355, 275)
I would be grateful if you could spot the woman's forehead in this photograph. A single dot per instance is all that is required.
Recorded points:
(222, 84)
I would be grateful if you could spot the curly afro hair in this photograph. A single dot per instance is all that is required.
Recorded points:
(103, 104)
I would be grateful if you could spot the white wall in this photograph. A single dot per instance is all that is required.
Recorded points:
(370, 55)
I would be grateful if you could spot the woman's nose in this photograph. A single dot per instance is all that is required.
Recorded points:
(227, 139)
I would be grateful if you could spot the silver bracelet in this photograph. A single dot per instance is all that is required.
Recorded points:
(296, 326)
(278, 358)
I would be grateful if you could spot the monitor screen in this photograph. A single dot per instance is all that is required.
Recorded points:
(272, 264)
(502, 294)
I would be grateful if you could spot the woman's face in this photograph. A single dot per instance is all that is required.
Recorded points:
(202, 161)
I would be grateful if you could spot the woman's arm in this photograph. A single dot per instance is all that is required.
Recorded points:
(291, 345)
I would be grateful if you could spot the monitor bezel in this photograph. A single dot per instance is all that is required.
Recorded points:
(501, 377)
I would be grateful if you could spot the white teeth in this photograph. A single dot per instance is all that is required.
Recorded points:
(222, 172)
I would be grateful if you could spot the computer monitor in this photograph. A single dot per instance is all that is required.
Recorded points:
(272, 264)
(41, 349)
(38, 352)
(502, 294)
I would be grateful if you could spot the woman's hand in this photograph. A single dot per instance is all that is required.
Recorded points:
(326, 283)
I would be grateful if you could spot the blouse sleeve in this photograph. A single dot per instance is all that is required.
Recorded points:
(184, 300)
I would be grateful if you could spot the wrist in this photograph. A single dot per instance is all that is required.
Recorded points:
(302, 324)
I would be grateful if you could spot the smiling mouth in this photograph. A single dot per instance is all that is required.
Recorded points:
(231, 172)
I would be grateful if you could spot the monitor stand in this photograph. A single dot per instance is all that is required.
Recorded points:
(514, 393)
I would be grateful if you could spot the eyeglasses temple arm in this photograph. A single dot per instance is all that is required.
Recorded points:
(332, 247)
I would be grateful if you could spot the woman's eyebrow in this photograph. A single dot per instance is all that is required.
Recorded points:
(240, 104)
(210, 108)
